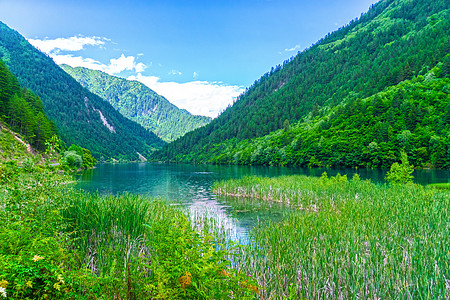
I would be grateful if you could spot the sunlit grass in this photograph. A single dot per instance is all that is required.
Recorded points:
(441, 186)
(348, 239)
(57, 242)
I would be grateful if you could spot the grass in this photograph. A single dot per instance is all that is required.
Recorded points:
(348, 239)
(440, 186)
(60, 243)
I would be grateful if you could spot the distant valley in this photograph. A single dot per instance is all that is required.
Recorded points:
(139, 103)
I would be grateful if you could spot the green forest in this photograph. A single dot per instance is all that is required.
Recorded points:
(80, 116)
(23, 111)
(413, 115)
(395, 41)
(139, 103)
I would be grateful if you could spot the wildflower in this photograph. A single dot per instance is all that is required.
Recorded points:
(3, 291)
(3, 284)
(60, 279)
(29, 284)
(250, 287)
(185, 280)
(37, 258)
(224, 273)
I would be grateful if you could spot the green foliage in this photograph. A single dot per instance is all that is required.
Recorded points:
(76, 157)
(73, 160)
(440, 186)
(394, 41)
(400, 173)
(29, 264)
(60, 243)
(347, 239)
(23, 111)
(414, 115)
(80, 116)
(10, 147)
(139, 103)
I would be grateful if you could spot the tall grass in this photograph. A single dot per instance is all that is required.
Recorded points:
(60, 243)
(109, 230)
(348, 240)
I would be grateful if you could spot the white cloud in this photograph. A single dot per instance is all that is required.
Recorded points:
(78, 61)
(75, 43)
(123, 63)
(140, 67)
(295, 48)
(197, 97)
(115, 66)
(175, 72)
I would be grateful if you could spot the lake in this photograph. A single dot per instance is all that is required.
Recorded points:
(190, 185)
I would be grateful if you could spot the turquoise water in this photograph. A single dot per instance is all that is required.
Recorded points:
(190, 185)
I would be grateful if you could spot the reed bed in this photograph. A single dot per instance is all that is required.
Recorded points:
(108, 230)
(348, 239)
(60, 243)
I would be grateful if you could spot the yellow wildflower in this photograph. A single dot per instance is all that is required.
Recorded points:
(57, 286)
(37, 258)
(60, 279)
(29, 284)
(3, 284)
(185, 280)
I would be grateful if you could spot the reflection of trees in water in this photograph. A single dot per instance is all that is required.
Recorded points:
(190, 185)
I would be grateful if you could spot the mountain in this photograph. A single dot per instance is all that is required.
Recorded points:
(23, 111)
(80, 116)
(413, 115)
(394, 41)
(139, 103)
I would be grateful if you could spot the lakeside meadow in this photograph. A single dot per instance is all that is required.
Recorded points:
(57, 242)
(348, 239)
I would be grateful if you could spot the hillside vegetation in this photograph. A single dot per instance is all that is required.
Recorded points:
(23, 112)
(413, 115)
(80, 116)
(394, 41)
(139, 103)
(57, 242)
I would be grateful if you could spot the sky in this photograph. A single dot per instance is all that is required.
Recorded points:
(198, 54)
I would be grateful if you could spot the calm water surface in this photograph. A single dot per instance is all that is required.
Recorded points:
(190, 185)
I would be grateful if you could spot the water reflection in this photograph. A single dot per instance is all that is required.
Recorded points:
(190, 185)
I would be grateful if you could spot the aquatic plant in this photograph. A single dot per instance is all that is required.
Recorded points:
(348, 239)
(61, 243)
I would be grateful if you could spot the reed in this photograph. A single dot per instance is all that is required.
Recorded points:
(60, 243)
(108, 230)
(441, 186)
(348, 239)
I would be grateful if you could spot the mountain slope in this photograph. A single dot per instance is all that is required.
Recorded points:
(393, 41)
(23, 111)
(412, 115)
(81, 117)
(139, 103)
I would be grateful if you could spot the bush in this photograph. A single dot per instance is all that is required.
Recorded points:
(400, 173)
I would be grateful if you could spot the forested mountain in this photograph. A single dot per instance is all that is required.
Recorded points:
(139, 103)
(81, 117)
(413, 115)
(23, 111)
(394, 41)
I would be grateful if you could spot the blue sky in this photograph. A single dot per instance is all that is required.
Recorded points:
(198, 54)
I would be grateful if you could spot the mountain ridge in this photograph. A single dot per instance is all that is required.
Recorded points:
(76, 111)
(139, 103)
(394, 41)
